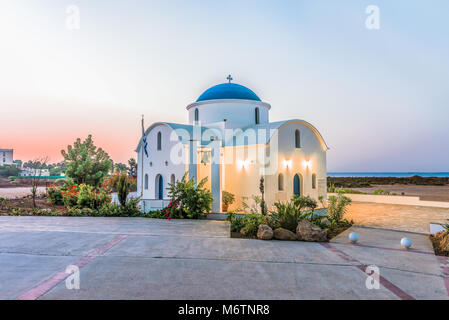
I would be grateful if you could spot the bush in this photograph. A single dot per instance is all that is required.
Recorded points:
(9, 170)
(194, 200)
(251, 224)
(123, 188)
(227, 199)
(91, 198)
(54, 195)
(337, 207)
(286, 215)
(70, 195)
(304, 203)
(381, 192)
(130, 209)
(157, 214)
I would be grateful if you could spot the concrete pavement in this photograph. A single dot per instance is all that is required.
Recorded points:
(131, 258)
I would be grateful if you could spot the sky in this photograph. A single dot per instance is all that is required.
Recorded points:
(380, 97)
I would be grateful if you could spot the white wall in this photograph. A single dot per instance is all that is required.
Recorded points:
(238, 113)
(158, 159)
(244, 181)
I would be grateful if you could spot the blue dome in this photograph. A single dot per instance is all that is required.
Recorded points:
(228, 91)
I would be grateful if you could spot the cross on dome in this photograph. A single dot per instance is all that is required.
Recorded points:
(229, 78)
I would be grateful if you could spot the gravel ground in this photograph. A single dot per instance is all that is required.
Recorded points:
(12, 193)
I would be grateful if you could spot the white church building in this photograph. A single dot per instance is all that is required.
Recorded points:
(230, 140)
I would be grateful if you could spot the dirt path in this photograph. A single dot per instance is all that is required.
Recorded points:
(398, 217)
(12, 193)
(431, 193)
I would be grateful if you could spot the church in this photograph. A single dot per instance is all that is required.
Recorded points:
(230, 140)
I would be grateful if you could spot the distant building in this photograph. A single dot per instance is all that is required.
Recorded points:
(29, 172)
(6, 157)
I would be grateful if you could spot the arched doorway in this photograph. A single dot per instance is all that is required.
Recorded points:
(159, 187)
(297, 185)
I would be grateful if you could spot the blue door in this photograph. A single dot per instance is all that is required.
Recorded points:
(297, 185)
(161, 188)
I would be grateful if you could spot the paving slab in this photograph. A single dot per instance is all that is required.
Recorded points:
(131, 258)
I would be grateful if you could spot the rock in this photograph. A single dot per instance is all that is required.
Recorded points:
(307, 231)
(443, 238)
(264, 232)
(326, 222)
(284, 234)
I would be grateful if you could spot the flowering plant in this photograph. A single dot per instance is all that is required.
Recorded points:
(70, 195)
(172, 211)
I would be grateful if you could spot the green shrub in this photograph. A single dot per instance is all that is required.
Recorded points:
(195, 201)
(304, 203)
(286, 215)
(123, 188)
(251, 224)
(381, 192)
(237, 223)
(54, 195)
(227, 199)
(157, 214)
(91, 198)
(337, 207)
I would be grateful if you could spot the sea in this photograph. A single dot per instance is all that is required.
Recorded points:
(388, 174)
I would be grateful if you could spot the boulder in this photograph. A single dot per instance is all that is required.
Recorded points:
(284, 234)
(264, 232)
(443, 239)
(307, 231)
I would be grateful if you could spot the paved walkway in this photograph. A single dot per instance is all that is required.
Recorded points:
(398, 217)
(130, 258)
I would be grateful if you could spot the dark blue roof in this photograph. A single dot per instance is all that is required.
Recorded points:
(228, 91)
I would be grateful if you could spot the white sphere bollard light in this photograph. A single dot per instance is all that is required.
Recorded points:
(353, 237)
(406, 243)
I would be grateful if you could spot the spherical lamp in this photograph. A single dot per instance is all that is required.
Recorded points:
(353, 237)
(406, 243)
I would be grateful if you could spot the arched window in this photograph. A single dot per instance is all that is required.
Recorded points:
(159, 141)
(172, 179)
(257, 116)
(297, 139)
(197, 116)
(281, 182)
(146, 182)
(314, 181)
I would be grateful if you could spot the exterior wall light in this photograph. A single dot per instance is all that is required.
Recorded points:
(307, 164)
(287, 163)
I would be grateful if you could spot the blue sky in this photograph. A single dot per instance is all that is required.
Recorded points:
(379, 97)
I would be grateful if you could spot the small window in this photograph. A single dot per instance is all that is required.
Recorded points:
(172, 179)
(159, 141)
(314, 181)
(281, 182)
(297, 139)
(146, 182)
(257, 116)
(197, 116)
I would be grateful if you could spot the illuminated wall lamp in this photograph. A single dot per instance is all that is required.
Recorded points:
(243, 164)
(307, 164)
(287, 163)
